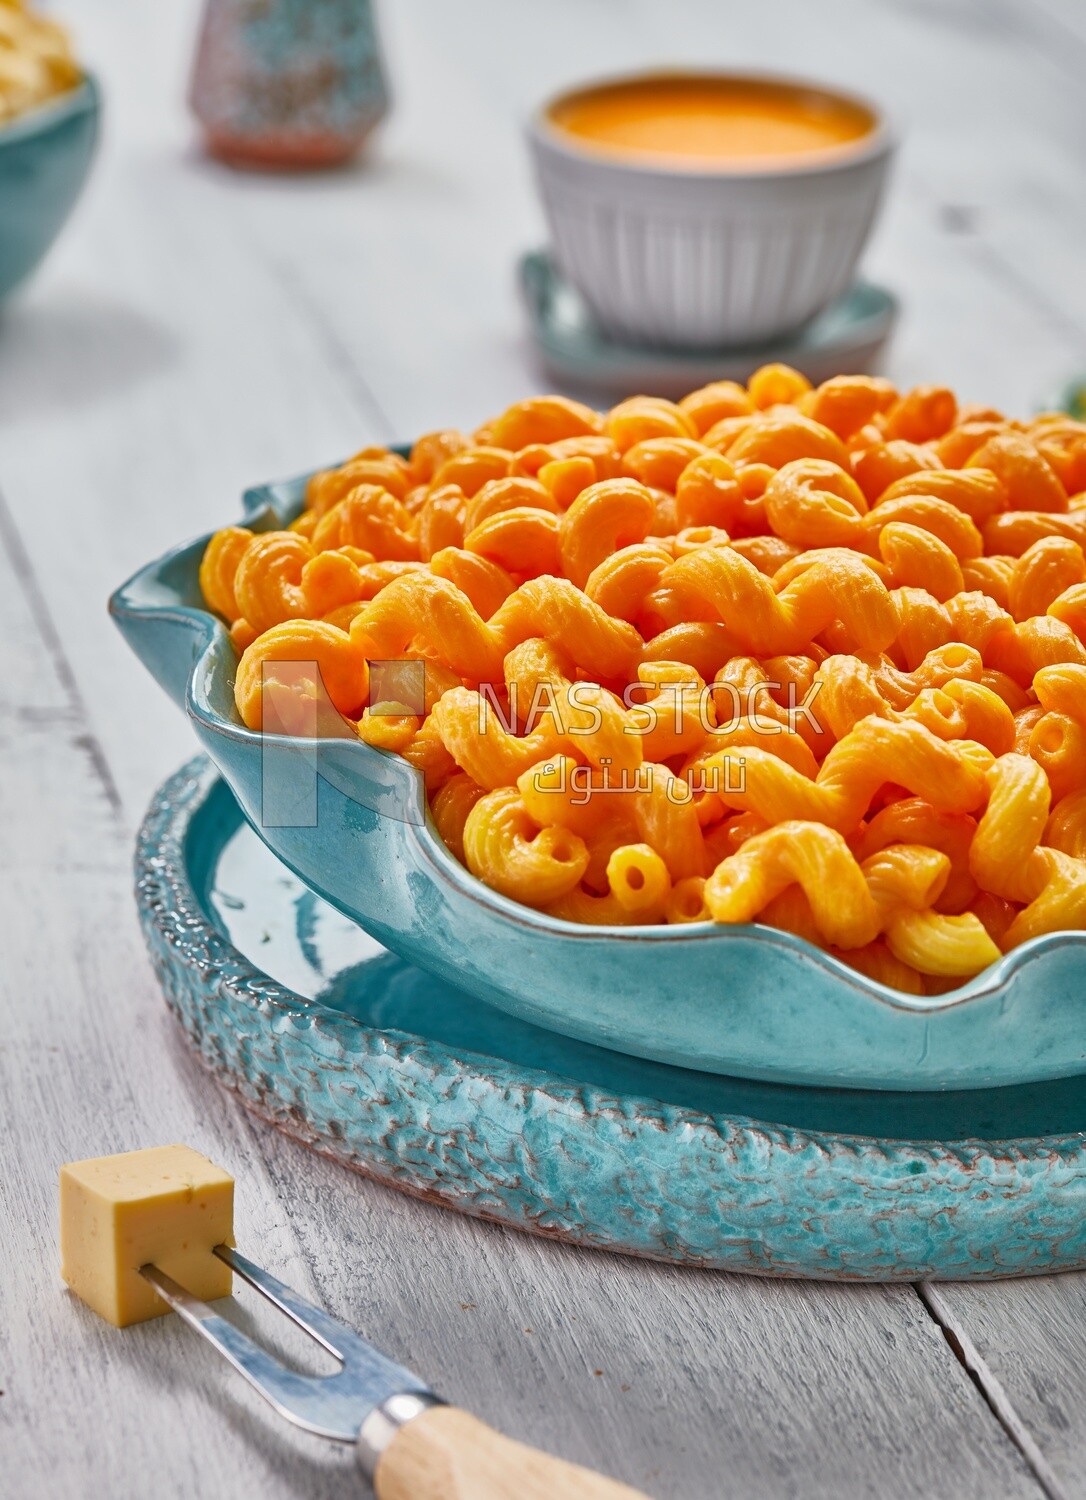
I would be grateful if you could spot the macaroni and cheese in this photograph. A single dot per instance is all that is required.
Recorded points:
(814, 658)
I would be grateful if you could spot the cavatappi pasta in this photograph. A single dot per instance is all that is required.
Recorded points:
(36, 61)
(814, 658)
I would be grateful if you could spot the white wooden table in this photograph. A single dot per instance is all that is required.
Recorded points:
(197, 330)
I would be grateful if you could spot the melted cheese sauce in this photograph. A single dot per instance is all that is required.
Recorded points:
(698, 122)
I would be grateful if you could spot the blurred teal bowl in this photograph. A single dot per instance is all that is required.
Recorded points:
(45, 157)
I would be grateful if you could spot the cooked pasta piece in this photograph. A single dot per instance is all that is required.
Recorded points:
(797, 853)
(505, 848)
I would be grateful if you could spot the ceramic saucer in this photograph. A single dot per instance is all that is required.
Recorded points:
(846, 339)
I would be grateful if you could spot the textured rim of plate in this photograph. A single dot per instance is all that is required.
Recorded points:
(663, 1181)
(265, 503)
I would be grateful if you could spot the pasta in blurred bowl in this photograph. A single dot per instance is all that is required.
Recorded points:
(49, 111)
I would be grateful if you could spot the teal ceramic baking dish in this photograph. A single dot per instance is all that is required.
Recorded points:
(45, 156)
(739, 1001)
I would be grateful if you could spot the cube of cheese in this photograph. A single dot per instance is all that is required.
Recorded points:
(169, 1205)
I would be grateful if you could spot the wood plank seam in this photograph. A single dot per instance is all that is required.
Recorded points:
(1050, 35)
(86, 742)
(989, 1388)
(339, 356)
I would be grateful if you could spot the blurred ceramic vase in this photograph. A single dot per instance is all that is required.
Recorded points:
(288, 83)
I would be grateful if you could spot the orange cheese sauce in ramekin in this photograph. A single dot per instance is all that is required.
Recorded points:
(698, 123)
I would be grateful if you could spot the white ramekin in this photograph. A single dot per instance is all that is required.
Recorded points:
(704, 258)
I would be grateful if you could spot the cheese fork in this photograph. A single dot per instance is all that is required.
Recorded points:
(409, 1443)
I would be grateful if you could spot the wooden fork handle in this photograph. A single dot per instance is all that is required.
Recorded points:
(446, 1454)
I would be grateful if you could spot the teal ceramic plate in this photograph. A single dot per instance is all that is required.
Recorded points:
(846, 339)
(45, 156)
(743, 1001)
(395, 1073)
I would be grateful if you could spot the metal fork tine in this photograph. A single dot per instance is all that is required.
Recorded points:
(333, 1335)
(256, 1364)
(330, 1406)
